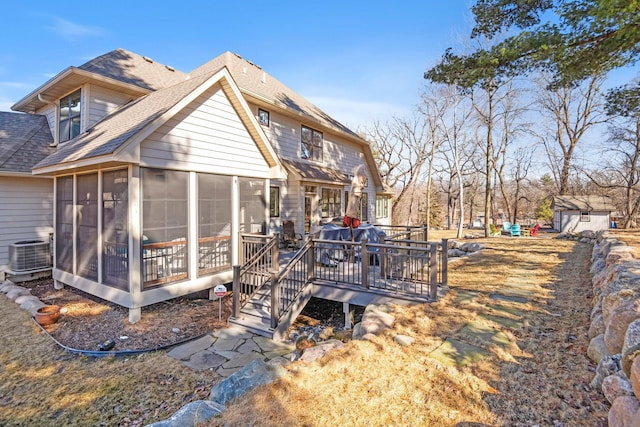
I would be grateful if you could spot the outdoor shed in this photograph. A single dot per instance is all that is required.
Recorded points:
(572, 214)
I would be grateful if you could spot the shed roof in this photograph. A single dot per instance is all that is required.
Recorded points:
(25, 139)
(583, 203)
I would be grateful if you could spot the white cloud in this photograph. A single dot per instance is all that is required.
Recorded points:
(71, 30)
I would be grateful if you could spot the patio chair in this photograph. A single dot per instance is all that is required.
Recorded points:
(494, 230)
(290, 239)
(515, 230)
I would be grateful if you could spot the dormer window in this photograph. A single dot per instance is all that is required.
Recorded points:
(69, 124)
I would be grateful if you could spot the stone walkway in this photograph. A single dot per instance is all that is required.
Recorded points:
(227, 350)
(476, 337)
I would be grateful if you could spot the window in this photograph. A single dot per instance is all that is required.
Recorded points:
(274, 201)
(64, 224)
(584, 217)
(363, 209)
(115, 229)
(87, 226)
(253, 205)
(382, 207)
(214, 223)
(69, 123)
(263, 117)
(311, 144)
(164, 225)
(331, 202)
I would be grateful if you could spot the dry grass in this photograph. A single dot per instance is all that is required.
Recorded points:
(542, 378)
(43, 385)
(630, 238)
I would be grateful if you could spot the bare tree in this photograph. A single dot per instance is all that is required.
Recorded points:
(573, 111)
(401, 148)
(522, 160)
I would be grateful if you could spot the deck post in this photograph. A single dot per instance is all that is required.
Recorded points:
(426, 232)
(275, 297)
(445, 262)
(311, 260)
(236, 291)
(433, 271)
(364, 263)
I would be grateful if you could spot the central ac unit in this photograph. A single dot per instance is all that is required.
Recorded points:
(29, 255)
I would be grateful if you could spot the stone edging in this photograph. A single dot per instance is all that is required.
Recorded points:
(615, 325)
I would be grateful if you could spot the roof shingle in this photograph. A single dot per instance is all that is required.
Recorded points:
(25, 139)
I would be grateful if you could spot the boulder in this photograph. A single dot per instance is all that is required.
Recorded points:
(615, 299)
(616, 385)
(404, 340)
(635, 376)
(192, 414)
(320, 349)
(619, 321)
(608, 365)
(471, 247)
(254, 374)
(596, 327)
(454, 253)
(597, 349)
(630, 347)
(622, 411)
(375, 319)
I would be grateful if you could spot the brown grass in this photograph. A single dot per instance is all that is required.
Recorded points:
(542, 378)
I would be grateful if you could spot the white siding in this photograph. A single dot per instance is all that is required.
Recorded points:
(50, 112)
(101, 102)
(26, 212)
(569, 221)
(207, 136)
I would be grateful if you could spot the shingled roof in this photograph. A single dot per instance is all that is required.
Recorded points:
(106, 136)
(25, 140)
(121, 69)
(253, 80)
(583, 203)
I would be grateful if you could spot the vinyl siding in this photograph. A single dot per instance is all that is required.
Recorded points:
(207, 136)
(50, 112)
(101, 102)
(26, 212)
(569, 221)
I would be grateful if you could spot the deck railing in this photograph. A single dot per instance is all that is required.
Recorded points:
(397, 266)
(405, 232)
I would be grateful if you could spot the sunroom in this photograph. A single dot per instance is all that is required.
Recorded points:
(159, 215)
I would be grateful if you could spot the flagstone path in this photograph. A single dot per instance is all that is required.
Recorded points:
(475, 339)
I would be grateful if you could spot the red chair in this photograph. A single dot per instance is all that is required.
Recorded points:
(534, 230)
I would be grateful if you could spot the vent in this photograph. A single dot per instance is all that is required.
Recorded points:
(29, 255)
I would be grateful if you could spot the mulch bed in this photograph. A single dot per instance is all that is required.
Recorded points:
(87, 321)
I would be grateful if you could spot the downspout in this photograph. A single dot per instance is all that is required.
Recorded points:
(55, 106)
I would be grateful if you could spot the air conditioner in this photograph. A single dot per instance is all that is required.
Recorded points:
(29, 255)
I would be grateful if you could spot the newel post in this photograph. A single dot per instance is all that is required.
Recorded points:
(236, 291)
(433, 271)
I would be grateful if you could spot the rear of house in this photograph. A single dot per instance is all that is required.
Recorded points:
(156, 172)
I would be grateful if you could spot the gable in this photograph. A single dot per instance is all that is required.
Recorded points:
(207, 136)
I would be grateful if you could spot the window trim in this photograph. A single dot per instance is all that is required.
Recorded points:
(585, 216)
(336, 206)
(314, 150)
(382, 206)
(262, 113)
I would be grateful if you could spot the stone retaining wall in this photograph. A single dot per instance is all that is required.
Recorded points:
(615, 326)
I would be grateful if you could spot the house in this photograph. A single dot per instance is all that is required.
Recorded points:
(573, 214)
(156, 172)
(26, 200)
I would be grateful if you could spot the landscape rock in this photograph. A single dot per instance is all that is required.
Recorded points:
(615, 299)
(404, 340)
(622, 411)
(608, 365)
(597, 349)
(17, 292)
(254, 374)
(630, 347)
(635, 376)
(616, 385)
(597, 326)
(454, 253)
(471, 247)
(619, 321)
(192, 414)
(320, 349)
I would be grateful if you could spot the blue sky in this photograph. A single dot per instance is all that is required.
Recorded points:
(359, 61)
